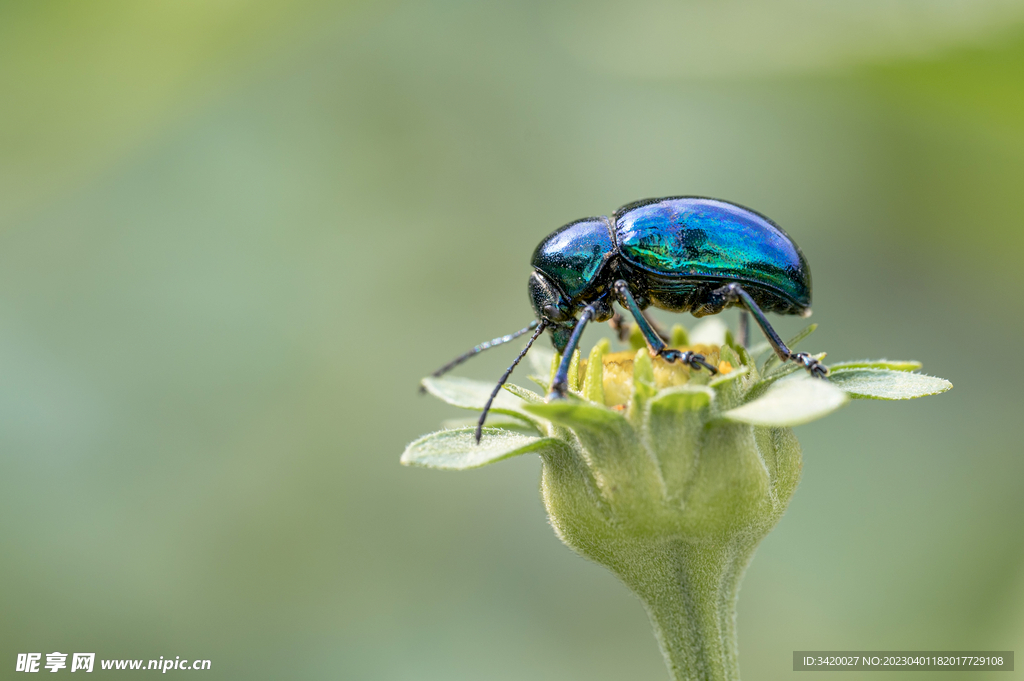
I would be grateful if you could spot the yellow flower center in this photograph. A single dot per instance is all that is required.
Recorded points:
(618, 372)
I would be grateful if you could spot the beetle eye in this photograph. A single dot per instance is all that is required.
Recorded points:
(554, 314)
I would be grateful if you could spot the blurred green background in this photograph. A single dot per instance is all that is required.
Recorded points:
(236, 233)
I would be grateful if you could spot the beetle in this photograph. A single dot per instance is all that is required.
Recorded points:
(681, 254)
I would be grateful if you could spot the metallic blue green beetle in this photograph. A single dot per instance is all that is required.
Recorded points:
(683, 254)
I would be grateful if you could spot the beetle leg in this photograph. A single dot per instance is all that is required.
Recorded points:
(734, 292)
(654, 342)
(560, 384)
(744, 330)
(658, 328)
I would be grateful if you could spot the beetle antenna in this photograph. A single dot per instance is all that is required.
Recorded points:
(504, 377)
(501, 340)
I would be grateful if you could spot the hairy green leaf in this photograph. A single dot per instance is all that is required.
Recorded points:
(523, 393)
(886, 384)
(458, 449)
(494, 421)
(575, 413)
(790, 403)
(470, 394)
(895, 365)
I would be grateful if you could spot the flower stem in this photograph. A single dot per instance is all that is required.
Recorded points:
(689, 591)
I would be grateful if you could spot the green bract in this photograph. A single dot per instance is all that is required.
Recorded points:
(670, 478)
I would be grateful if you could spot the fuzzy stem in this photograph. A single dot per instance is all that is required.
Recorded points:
(690, 591)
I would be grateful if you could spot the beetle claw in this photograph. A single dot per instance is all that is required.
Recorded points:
(816, 368)
(697, 361)
(691, 359)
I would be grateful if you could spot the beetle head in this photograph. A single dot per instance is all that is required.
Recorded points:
(550, 305)
(548, 302)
